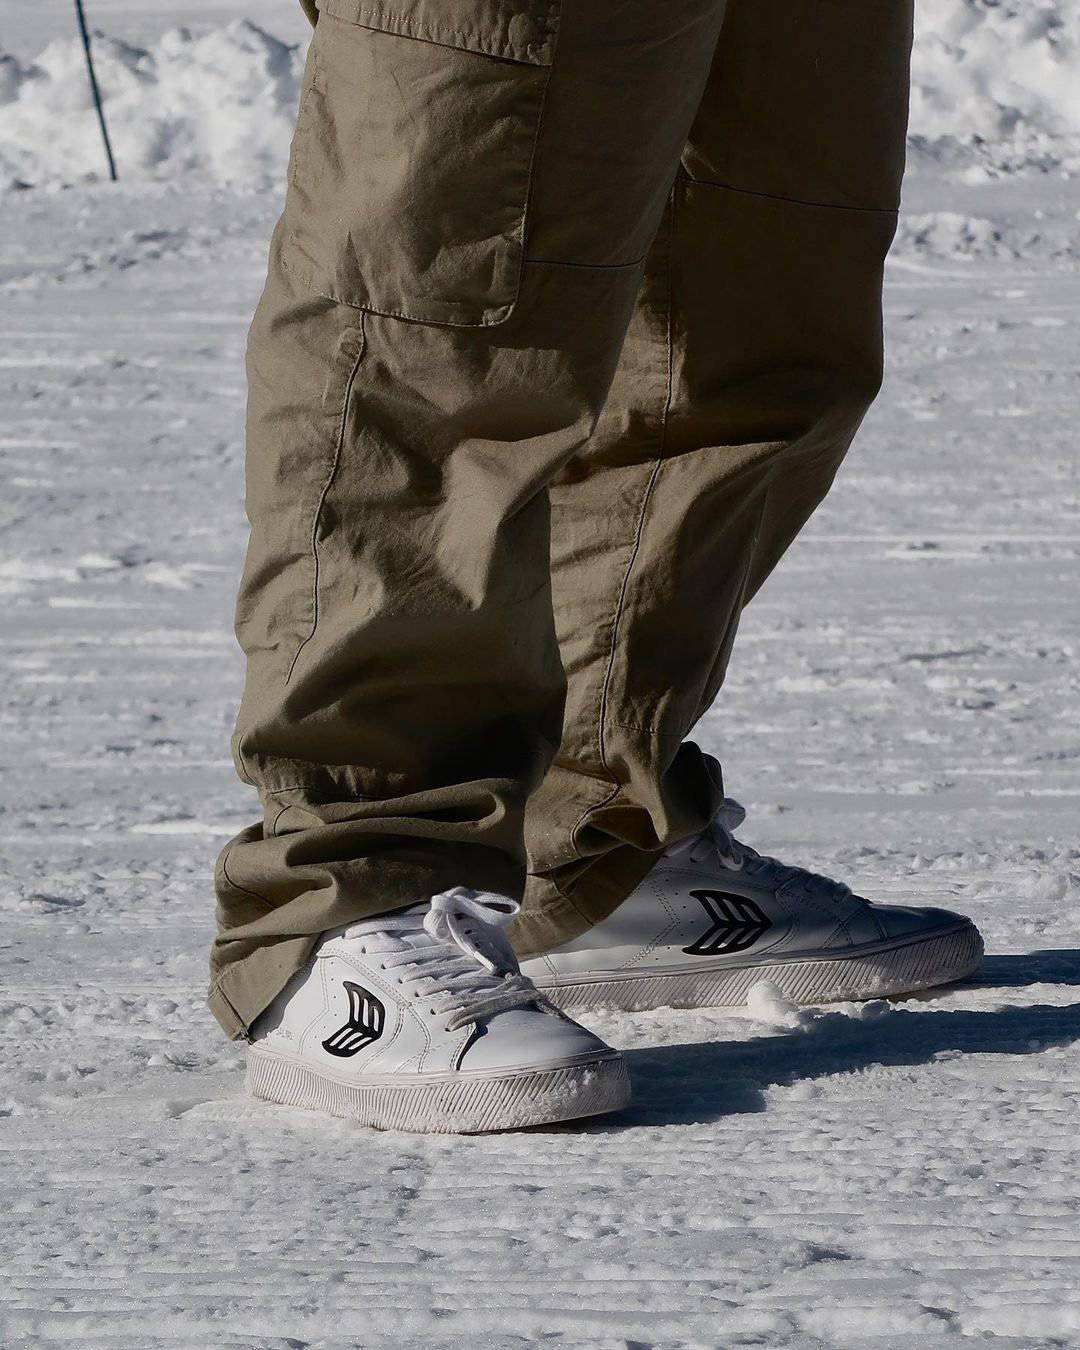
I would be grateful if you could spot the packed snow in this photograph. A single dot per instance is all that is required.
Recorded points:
(902, 712)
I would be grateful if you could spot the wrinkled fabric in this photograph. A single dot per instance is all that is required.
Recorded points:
(571, 315)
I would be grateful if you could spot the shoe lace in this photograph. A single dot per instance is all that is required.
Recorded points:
(451, 952)
(717, 842)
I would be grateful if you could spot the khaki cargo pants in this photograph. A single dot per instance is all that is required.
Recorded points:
(572, 313)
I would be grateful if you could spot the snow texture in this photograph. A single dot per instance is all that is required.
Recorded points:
(220, 104)
(996, 86)
(998, 77)
(901, 711)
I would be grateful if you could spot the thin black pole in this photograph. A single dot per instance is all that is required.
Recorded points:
(94, 88)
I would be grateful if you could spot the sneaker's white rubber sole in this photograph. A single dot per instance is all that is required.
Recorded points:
(883, 970)
(457, 1103)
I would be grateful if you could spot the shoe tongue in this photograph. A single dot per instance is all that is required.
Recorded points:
(684, 846)
(375, 932)
(727, 819)
(411, 935)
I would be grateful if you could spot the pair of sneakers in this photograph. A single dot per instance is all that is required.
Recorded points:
(423, 1020)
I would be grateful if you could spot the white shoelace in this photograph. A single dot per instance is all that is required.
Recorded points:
(455, 965)
(717, 842)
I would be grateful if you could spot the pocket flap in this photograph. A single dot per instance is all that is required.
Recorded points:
(515, 30)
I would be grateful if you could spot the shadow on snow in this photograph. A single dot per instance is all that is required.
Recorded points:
(681, 1084)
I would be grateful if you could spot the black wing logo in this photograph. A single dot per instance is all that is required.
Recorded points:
(736, 924)
(365, 1024)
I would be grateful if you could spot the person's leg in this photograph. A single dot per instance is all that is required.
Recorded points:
(753, 354)
(421, 365)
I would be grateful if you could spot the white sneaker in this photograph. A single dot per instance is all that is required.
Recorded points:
(420, 1020)
(713, 918)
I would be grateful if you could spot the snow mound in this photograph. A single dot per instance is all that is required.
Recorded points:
(951, 234)
(768, 1004)
(220, 104)
(994, 83)
(998, 78)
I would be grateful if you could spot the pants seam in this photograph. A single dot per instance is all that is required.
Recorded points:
(534, 167)
(640, 726)
(792, 201)
(557, 888)
(620, 608)
(587, 267)
(217, 990)
(334, 465)
(237, 887)
(635, 549)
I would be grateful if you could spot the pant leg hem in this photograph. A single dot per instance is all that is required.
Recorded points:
(229, 1018)
(246, 987)
(557, 910)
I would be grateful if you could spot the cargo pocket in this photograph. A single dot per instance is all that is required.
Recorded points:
(413, 155)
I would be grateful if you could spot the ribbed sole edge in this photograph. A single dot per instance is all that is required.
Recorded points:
(883, 974)
(470, 1105)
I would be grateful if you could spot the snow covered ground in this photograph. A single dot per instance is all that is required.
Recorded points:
(902, 710)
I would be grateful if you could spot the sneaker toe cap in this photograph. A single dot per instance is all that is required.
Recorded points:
(915, 921)
(529, 1038)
